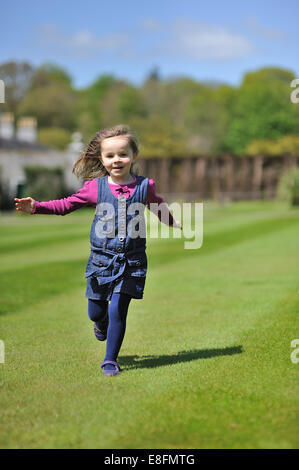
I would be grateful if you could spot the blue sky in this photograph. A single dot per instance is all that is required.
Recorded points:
(215, 40)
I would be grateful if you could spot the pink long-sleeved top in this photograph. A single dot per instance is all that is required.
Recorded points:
(87, 196)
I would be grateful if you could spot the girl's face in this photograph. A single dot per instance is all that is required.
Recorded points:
(117, 156)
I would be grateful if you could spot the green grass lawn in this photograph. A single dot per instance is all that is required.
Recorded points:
(206, 356)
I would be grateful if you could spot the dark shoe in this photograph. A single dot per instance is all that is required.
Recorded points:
(101, 335)
(116, 370)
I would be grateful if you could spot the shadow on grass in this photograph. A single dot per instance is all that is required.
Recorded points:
(147, 362)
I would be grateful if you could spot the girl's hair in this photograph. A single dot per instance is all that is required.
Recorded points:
(88, 166)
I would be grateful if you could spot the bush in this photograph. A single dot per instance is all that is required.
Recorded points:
(158, 137)
(289, 144)
(54, 137)
(1, 189)
(44, 184)
(288, 187)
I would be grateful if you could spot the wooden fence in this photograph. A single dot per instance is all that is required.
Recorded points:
(224, 177)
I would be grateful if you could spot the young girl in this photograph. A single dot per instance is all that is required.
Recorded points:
(117, 266)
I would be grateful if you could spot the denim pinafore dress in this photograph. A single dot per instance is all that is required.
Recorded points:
(118, 261)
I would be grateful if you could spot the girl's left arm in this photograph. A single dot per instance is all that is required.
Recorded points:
(161, 211)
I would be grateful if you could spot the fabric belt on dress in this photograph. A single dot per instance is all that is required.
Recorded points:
(116, 257)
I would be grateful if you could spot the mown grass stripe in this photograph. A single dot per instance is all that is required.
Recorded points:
(221, 240)
(50, 241)
(26, 286)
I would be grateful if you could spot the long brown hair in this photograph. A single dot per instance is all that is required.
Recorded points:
(88, 166)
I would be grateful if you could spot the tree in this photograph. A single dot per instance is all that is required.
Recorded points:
(130, 104)
(54, 137)
(262, 109)
(48, 74)
(159, 137)
(225, 96)
(89, 109)
(154, 74)
(109, 103)
(17, 78)
(52, 105)
(202, 118)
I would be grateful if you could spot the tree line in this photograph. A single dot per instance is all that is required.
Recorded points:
(172, 117)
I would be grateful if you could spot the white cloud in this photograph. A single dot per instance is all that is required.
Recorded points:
(254, 26)
(81, 44)
(148, 24)
(199, 41)
(82, 39)
(183, 39)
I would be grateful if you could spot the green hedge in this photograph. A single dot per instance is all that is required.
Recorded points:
(44, 184)
(54, 137)
(5, 201)
(288, 187)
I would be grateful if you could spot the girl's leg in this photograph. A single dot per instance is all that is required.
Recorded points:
(117, 312)
(97, 310)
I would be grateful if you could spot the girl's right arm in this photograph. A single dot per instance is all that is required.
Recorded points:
(86, 196)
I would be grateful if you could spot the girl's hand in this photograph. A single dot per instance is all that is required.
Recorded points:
(26, 204)
(177, 225)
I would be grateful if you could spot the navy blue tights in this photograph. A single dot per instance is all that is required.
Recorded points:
(117, 312)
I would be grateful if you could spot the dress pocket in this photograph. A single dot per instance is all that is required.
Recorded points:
(102, 265)
(137, 265)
